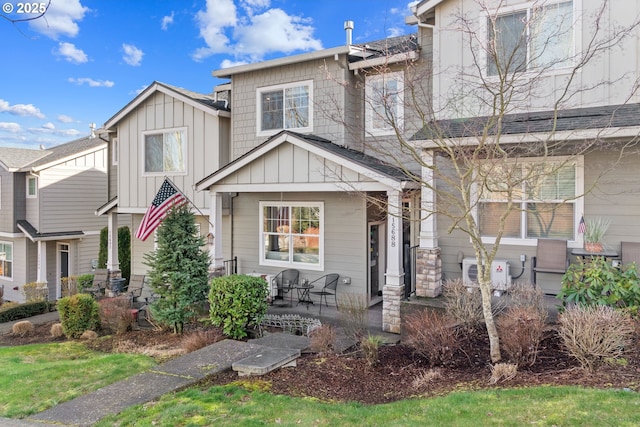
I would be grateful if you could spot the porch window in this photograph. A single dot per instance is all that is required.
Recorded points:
(32, 187)
(544, 196)
(291, 235)
(165, 151)
(285, 107)
(540, 36)
(6, 260)
(384, 107)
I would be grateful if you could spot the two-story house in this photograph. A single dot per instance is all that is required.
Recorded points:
(552, 86)
(47, 227)
(164, 132)
(313, 184)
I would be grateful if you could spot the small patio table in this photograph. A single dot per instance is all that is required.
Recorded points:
(303, 294)
(583, 253)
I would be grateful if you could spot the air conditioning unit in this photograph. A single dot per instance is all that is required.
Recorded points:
(500, 274)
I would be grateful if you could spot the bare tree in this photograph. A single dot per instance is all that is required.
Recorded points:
(487, 158)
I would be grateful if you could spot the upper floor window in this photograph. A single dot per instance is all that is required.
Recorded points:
(545, 195)
(6, 260)
(32, 186)
(384, 102)
(115, 147)
(285, 107)
(291, 234)
(541, 36)
(165, 151)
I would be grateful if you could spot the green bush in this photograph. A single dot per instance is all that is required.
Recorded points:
(78, 313)
(237, 302)
(84, 281)
(22, 311)
(594, 281)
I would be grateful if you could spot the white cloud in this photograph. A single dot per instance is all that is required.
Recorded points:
(46, 130)
(60, 19)
(49, 126)
(229, 63)
(71, 53)
(132, 55)
(139, 91)
(91, 82)
(167, 20)
(10, 127)
(255, 34)
(395, 32)
(20, 109)
(65, 119)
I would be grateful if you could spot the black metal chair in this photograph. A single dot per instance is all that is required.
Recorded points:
(285, 281)
(329, 284)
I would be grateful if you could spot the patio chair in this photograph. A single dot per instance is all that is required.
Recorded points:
(100, 282)
(329, 284)
(285, 281)
(136, 283)
(551, 257)
(630, 252)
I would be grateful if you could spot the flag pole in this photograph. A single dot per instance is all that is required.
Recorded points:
(188, 199)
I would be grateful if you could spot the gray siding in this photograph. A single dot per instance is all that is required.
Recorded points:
(8, 203)
(345, 236)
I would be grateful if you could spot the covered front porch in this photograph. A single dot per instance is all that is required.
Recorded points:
(302, 202)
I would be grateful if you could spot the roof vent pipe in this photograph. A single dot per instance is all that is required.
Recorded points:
(348, 27)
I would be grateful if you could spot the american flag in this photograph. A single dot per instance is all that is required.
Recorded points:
(168, 196)
(582, 226)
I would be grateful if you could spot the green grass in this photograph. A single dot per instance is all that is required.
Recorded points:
(36, 377)
(538, 406)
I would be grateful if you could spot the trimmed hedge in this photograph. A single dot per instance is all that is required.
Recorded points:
(78, 313)
(23, 311)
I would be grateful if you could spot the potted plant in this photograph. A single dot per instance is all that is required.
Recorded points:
(595, 228)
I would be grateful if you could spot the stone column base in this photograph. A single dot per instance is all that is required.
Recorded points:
(428, 272)
(392, 296)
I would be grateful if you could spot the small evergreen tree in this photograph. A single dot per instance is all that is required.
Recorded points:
(179, 270)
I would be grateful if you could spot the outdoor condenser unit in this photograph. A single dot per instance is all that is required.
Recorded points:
(500, 273)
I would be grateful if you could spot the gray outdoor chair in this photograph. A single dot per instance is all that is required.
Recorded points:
(100, 282)
(134, 290)
(551, 257)
(329, 285)
(285, 281)
(630, 252)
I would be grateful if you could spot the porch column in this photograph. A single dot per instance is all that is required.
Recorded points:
(41, 274)
(113, 263)
(428, 257)
(393, 290)
(215, 229)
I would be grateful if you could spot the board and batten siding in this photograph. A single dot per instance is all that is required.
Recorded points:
(8, 202)
(203, 153)
(345, 236)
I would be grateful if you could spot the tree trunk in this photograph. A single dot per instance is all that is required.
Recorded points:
(492, 331)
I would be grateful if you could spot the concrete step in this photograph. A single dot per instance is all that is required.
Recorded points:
(266, 361)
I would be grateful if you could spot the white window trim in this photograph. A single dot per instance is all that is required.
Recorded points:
(292, 264)
(184, 151)
(32, 196)
(506, 10)
(260, 90)
(115, 151)
(579, 206)
(10, 278)
(395, 75)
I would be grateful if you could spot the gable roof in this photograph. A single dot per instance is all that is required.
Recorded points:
(362, 163)
(609, 116)
(32, 160)
(203, 102)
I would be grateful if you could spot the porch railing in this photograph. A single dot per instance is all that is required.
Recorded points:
(410, 256)
(231, 266)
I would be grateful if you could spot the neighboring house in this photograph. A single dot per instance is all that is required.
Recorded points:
(47, 227)
(165, 131)
(603, 108)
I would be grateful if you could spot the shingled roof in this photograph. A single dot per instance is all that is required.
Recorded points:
(610, 116)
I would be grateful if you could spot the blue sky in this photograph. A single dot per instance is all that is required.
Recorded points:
(86, 59)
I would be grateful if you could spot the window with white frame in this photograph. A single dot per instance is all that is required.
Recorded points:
(545, 198)
(165, 151)
(6, 260)
(285, 107)
(32, 186)
(384, 103)
(539, 36)
(291, 234)
(115, 147)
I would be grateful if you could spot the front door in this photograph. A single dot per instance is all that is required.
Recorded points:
(376, 260)
(63, 263)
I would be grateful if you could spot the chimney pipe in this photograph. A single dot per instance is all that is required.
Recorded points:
(348, 27)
